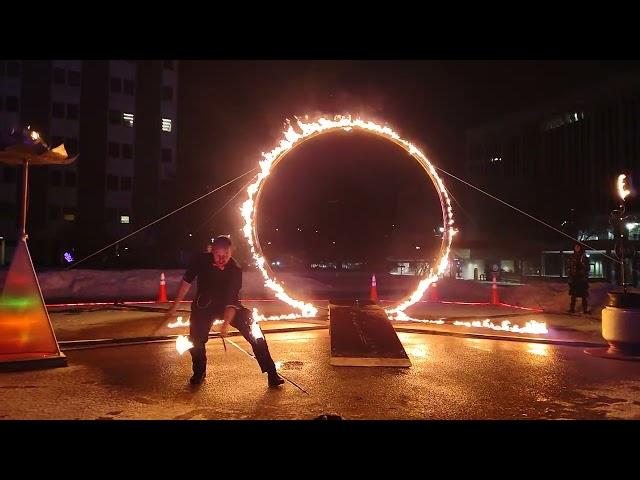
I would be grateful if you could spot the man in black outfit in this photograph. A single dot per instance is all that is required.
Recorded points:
(578, 275)
(219, 282)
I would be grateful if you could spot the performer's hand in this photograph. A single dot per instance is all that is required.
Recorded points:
(224, 329)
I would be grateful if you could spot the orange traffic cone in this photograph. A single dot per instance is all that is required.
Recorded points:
(495, 300)
(374, 290)
(433, 294)
(162, 292)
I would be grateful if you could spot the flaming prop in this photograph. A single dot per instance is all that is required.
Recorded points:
(622, 190)
(183, 344)
(530, 327)
(294, 136)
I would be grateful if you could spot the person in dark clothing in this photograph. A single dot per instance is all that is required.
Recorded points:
(578, 272)
(217, 298)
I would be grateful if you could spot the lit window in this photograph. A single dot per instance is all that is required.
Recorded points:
(166, 125)
(124, 218)
(128, 119)
(69, 217)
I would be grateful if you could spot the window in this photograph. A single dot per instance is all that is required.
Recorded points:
(166, 124)
(56, 178)
(167, 64)
(71, 145)
(59, 76)
(9, 174)
(125, 183)
(11, 104)
(112, 182)
(116, 85)
(564, 119)
(73, 78)
(124, 218)
(167, 93)
(166, 155)
(128, 119)
(114, 117)
(58, 110)
(13, 69)
(127, 150)
(111, 214)
(70, 179)
(129, 87)
(69, 216)
(114, 149)
(72, 111)
(54, 212)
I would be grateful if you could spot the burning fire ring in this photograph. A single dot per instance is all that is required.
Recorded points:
(293, 137)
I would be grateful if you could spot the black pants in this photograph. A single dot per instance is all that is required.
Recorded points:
(200, 324)
(584, 303)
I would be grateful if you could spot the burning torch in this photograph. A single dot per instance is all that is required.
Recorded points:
(623, 191)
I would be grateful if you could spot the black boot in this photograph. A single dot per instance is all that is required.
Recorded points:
(199, 365)
(572, 307)
(197, 378)
(275, 380)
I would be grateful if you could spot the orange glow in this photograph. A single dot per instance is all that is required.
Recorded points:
(183, 344)
(622, 190)
(25, 328)
(294, 136)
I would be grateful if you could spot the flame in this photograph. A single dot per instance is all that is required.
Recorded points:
(530, 327)
(255, 330)
(291, 139)
(178, 323)
(258, 317)
(622, 191)
(183, 344)
(539, 349)
(401, 316)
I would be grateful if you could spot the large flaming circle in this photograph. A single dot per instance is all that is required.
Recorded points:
(294, 136)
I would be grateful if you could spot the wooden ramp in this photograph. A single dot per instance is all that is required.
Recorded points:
(362, 336)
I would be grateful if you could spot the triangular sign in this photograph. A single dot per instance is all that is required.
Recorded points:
(26, 332)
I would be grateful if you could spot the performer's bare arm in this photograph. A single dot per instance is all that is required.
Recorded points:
(182, 292)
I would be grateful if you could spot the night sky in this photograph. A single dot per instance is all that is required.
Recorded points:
(230, 111)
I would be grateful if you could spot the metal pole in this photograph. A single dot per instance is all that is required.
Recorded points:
(624, 285)
(25, 188)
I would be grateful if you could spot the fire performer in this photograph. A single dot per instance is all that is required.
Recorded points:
(219, 282)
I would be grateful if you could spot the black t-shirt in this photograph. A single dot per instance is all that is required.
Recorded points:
(217, 288)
